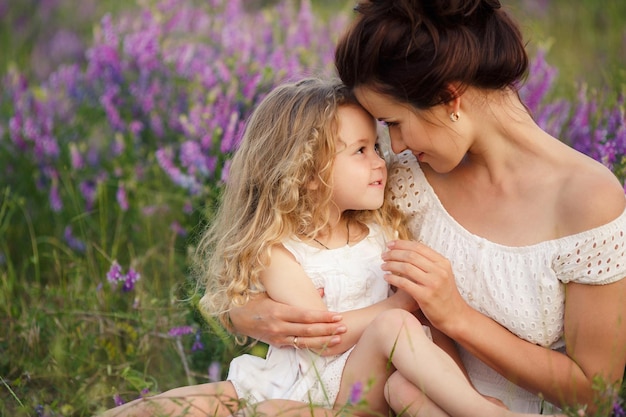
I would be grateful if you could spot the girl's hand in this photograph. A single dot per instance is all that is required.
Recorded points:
(428, 278)
(277, 324)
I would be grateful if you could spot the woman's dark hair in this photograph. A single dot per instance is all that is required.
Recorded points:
(413, 49)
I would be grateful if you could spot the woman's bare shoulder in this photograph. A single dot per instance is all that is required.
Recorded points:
(591, 196)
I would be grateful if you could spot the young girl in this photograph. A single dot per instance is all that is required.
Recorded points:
(304, 218)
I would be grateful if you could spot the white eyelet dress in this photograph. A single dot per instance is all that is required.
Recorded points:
(352, 279)
(522, 288)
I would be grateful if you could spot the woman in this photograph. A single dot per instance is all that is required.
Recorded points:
(521, 249)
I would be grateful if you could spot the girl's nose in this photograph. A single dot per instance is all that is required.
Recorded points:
(378, 161)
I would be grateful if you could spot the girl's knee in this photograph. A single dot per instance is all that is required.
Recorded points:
(391, 322)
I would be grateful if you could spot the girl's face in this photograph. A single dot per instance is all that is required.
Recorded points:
(359, 171)
(433, 141)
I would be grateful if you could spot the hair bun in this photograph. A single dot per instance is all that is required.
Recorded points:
(458, 10)
(494, 4)
(442, 11)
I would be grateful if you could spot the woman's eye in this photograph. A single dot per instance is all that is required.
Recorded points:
(390, 124)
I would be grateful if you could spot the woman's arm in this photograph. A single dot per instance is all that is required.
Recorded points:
(595, 328)
(293, 307)
(269, 321)
(595, 336)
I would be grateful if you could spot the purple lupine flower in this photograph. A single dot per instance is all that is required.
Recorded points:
(109, 101)
(121, 197)
(180, 331)
(130, 279)
(103, 58)
(229, 139)
(554, 116)
(15, 131)
(539, 83)
(63, 46)
(215, 371)
(356, 393)
(55, 197)
(135, 127)
(178, 229)
(164, 158)
(197, 343)
(156, 125)
(192, 158)
(115, 273)
(48, 146)
(144, 48)
(76, 159)
(149, 210)
(225, 171)
(72, 241)
(117, 399)
(44, 411)
(89, 191)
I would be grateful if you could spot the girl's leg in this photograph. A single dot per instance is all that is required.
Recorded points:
(218, 399)
(406, 400)
(370, 368)
(397, 337)
(286, 408)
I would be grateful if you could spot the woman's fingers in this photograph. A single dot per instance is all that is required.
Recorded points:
(314, 328)
(426, 276)
(275, 323)
(317, 343)
(417, 263)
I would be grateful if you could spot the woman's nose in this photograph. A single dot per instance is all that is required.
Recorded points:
(397, 144)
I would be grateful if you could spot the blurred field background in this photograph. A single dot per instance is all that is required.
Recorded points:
(117, 119)
(586, 38)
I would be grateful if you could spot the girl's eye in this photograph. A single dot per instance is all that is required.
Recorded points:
(361, 149)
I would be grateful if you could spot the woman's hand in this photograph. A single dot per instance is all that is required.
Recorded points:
(277, 324)
(427, 276)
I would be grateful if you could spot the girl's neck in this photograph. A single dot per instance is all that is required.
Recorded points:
(335, 236)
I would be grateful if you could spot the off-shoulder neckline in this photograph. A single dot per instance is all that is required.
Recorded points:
(414, 164)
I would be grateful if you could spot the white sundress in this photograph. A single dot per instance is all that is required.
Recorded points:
(352, 279)
(522, 288)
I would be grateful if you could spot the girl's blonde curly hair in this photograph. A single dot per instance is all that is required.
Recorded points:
(289, 141)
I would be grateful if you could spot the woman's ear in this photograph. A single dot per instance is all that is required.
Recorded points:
(455, 91)
(453, 105)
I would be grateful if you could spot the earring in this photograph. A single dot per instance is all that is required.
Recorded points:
(454, 116)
